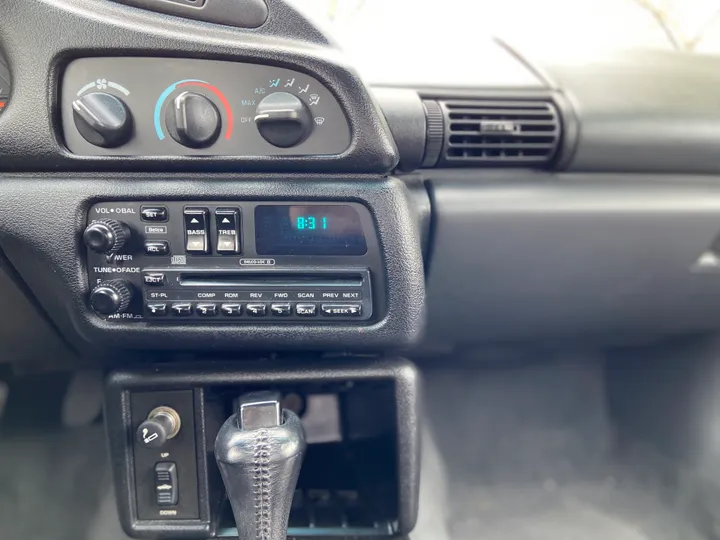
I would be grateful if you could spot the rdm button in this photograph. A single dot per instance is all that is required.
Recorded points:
(341, 310)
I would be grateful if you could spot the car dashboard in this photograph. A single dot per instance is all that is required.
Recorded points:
(204, 202)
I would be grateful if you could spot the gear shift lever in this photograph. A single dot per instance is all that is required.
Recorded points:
(259, 450)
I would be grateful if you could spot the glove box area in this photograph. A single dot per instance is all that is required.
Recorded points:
(357, 440)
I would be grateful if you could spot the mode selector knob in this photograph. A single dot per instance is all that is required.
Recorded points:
(283, 120)
(111, 297)
(193, 120)
(107, 236)
(103, 119)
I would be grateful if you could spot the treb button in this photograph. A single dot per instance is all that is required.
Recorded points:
(196, 230)
(227, 224)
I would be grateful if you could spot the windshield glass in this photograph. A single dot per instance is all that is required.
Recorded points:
(434, 42)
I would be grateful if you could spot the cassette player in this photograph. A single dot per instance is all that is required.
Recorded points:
(257, 295)
(233, 262)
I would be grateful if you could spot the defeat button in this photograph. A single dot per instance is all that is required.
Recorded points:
(341, 310)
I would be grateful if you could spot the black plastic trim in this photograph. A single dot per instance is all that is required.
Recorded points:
(45, 247)
(63, 30)
(241, 13)
(408, 398)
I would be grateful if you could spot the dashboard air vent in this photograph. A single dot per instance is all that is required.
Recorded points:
(500, 133)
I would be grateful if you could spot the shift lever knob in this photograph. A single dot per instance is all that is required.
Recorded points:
(259, 451)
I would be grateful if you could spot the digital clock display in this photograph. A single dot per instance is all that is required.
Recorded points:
(308, 230)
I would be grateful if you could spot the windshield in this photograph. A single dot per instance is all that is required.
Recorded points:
(434, 42)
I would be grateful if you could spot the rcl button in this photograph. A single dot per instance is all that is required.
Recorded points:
(341, 310)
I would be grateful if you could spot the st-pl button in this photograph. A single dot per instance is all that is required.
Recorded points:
(196, 230)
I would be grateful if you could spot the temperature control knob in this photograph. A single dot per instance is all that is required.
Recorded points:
(107, 236)
(111, 297)
(283, 120)
(103, 119)
(193, 120)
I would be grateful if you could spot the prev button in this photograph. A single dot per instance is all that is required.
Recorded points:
(341, 310)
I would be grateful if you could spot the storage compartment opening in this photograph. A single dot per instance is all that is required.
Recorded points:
(348, 483)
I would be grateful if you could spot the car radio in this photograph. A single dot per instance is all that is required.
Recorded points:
(230, 261)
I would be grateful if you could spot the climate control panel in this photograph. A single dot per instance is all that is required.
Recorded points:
(233, 262)
(185, 107)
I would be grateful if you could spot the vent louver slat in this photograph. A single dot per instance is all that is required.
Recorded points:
(500, 133)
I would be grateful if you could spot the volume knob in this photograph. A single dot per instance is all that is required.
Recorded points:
(111, 297)
(106, 236)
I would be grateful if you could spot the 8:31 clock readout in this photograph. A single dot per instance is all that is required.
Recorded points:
(308, 230)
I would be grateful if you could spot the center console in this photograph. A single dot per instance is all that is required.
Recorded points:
(327, 451)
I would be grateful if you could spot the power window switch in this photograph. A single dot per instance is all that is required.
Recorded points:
(166, 484)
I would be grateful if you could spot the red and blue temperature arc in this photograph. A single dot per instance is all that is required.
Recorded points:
(192, 82)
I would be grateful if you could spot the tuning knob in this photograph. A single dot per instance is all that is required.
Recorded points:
(283, 120)
(107, 236)
(111, 297)
(103, 119)
(193, 120)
